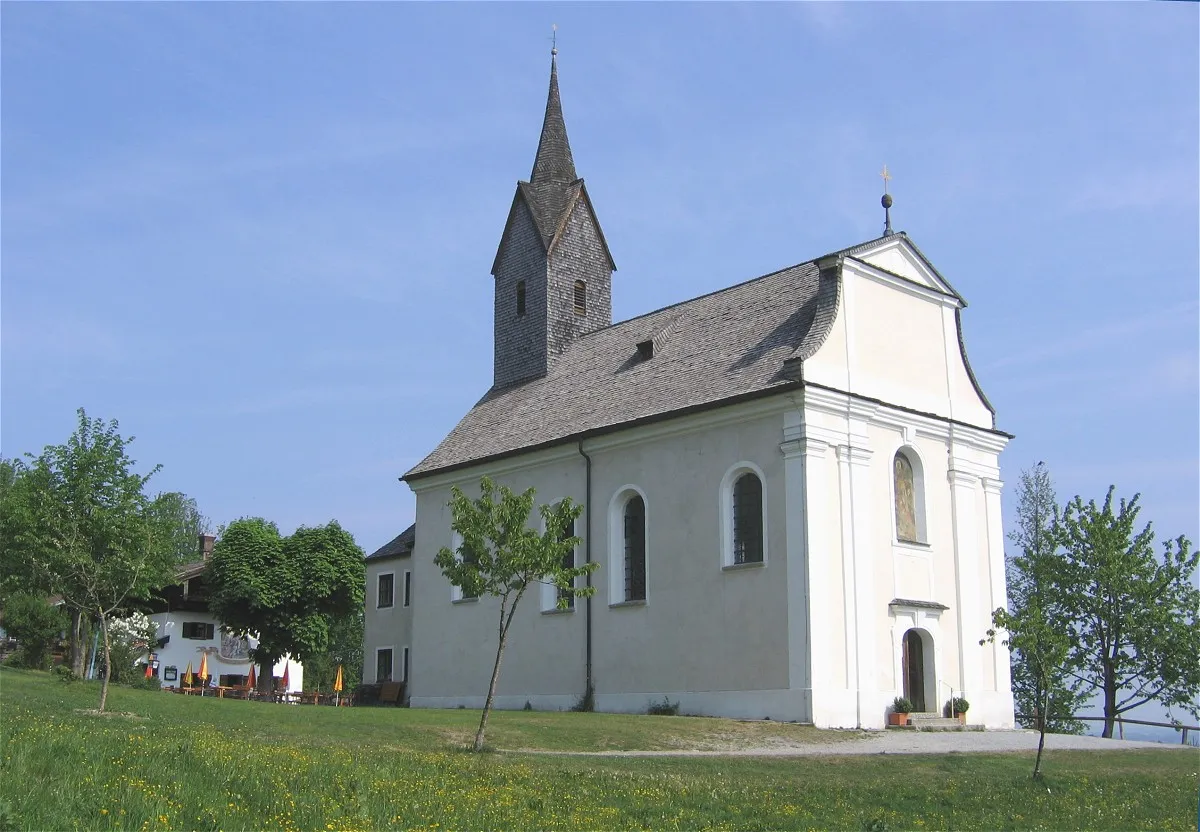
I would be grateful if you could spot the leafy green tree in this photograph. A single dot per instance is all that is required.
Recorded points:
(286, 592)
(182, 523)
(84, 528)
(1131, 614)
(345, 649)
(501, 556)
(36, 625)
(1047, 698)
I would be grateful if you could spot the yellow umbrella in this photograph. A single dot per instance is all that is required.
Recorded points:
(203, 666)
(337, 686)
(187, 675)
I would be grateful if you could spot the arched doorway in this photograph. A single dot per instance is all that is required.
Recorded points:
(917, 667)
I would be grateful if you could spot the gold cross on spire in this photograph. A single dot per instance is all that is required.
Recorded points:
(886, 178)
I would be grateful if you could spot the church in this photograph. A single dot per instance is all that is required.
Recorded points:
(791, 487)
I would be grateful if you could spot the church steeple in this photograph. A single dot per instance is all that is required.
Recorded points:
(553, 163)
(553, 270)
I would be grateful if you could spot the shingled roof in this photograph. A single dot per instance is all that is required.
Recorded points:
(399, 546)
(739, 342)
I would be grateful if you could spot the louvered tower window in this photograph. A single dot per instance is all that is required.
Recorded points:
(580, 297)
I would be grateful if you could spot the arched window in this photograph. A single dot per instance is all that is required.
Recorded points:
(580, 297)
(635, 549)
(747, 519)
(520, 298)
(906, 486)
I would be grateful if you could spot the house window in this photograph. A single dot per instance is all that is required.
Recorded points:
(383, 664)
(747, 519)
(909, 497)
(199, 630)
(635, 548)
(520, 298)
(385, 592)
(408, 589)
(580, 297)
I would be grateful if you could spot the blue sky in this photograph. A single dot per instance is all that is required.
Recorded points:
(259, 235)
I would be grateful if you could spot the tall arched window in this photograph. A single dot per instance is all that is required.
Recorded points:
(905, 488)
(520, 297)
(747, 519)
(635, 549)
(580, 297)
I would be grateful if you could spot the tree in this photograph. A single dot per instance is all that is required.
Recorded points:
(182, 523)
(35, 625)
(1045, 695)
(84, 527)
(1047, 698)
(1131, 615)
(345, 648)
(501, 556)
(286, 592)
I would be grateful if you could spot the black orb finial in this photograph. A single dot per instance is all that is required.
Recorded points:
(886, 202)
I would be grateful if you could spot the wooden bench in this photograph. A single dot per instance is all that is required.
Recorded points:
(391, 692)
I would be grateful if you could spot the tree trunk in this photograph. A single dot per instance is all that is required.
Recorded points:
(1043, 716)
(107, 661)
(78, 648)
(487, 705)
(1110, 702)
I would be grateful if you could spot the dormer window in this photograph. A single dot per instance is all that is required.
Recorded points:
(520, 298)
(580, 297)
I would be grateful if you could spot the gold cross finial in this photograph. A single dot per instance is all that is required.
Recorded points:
(886, 178)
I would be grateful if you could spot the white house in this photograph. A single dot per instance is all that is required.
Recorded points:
(187, 631)
(791, 486)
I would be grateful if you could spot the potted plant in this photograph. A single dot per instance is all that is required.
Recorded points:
(901, 708)
(959, 706)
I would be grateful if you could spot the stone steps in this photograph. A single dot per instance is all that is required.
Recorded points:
(932, 721)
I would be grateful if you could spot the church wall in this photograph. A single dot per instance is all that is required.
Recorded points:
(898, 347)
(704, 633)
(702, 628)
(520, 348)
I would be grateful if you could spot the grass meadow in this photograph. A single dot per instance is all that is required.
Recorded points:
(161, 762)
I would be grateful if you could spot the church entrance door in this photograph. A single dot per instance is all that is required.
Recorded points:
(913, 663)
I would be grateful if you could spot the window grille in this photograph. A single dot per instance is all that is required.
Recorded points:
(747, 519)
(580, 297)
(635, 549)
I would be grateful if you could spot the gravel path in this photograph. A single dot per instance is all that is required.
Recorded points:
(906, 742)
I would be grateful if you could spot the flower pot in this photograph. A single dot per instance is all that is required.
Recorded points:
(961, 716)
(897, 719)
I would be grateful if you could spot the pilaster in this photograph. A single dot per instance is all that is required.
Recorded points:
(963, 486)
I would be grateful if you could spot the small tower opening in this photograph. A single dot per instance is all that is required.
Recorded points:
(580, 297)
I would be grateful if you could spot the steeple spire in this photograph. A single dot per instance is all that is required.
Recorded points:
(553, 163)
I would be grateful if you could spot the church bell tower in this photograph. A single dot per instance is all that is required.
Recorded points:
(553, 270)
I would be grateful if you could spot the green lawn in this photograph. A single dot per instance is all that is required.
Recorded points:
(173, 762)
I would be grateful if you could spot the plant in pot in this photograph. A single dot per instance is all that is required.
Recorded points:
(901, 708)
(959, 706)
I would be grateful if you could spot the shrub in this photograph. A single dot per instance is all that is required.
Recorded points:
(664, 708)
(959, 705)
(64, 674)
(528, 706)
(902, 705)
(36, 626)
(586, 703)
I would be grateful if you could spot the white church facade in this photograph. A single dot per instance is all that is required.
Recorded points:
(791, 486)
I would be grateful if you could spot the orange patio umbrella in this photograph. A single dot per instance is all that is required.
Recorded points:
(286, 667)
(252, 679)
(203, 674)
(149, 672)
